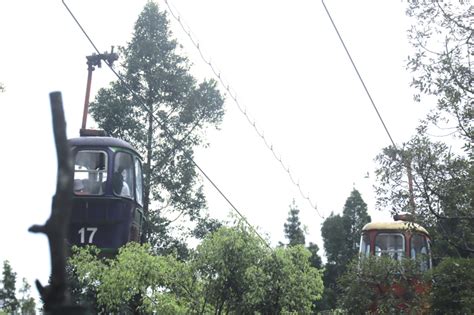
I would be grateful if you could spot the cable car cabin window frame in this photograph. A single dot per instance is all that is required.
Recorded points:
(118, 178)
(397, 254)
(87, 186)
(364, 247)
(425, 261)
(138, 180)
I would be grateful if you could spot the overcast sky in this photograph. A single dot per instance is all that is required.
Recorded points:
(283, 60)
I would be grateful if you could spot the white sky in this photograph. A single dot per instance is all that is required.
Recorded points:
(287, 67)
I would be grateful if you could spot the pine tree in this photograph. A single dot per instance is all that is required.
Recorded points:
(293, 231)
(168, 103)
(8, 300)
(355, 217)
(341, 236)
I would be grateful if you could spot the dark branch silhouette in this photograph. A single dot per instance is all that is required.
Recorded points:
(56, 295)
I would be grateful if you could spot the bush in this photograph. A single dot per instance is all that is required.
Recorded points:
(383, 285)
(453, 287)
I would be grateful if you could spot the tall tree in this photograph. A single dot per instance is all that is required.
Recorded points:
(296, 237)
(315, 259)
(341, 235)
(443, 176)
(441, 35)
(355, 217)
(334, 238)
(293, 230)
(164, 118)
(443, 192)
(332, 232)
(8, 300)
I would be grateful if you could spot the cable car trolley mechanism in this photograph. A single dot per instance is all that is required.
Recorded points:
(107, 209)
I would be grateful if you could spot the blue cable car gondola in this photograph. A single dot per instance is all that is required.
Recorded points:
(108, 193)
(107, 206)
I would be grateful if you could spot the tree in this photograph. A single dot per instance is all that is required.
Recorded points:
(441, 35)
(8, 300)
(442, 194)
(293, 231)
(355, 217)
(164, 118)
(443, 177)
(296, 235)
(334, 238)
(231, 271)
(453, 281)
(382, 285)
(135, 282)
(223, 259)
(27, 303)
(332, 232)
(241, 275)
(315, 259)
(285, 282)
(341, 236)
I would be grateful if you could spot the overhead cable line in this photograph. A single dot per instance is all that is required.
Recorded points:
(403, 158)
(161, 124)
(174, 12)
(358, 74)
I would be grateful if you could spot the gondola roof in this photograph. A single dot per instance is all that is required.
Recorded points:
(101, 142)
(395, 225)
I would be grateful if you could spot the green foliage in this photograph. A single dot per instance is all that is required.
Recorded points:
(341, 236)
(443, 193)
(296, 237)
(453, 285)
(285, 282)
(383, 285)
(206, 225)
(315, 259)
(441, 35)
(231, 271)
(334, 239)
(443, 180)
(293, 231)
(9, 303)
(8, 299)
(222, 260)
(355, 216)
(167, 103)
(27, 303)
(242, 275)
(133, 281)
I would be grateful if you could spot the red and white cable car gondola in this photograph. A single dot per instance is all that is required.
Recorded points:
(397, 239)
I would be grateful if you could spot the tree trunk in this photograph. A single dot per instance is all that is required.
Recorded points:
(147, 173)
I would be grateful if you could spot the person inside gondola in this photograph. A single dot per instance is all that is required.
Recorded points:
(120, 185)
(79, 188)
(122, 180)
